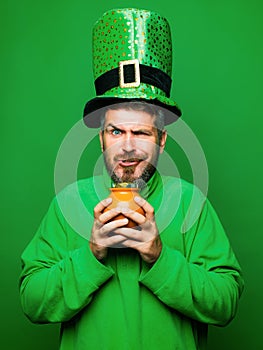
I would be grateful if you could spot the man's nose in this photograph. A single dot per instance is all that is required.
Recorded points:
(128, 143)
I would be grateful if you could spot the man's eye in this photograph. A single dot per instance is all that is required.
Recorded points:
(116, 132)
(143, 133)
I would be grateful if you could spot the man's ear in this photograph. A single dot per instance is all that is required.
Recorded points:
(163, 141)
(101, 140)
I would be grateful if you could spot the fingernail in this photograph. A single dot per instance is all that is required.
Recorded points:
(137, 199)
(124, 221)
(124, 210)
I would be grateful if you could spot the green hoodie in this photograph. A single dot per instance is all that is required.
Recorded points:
(124, 303)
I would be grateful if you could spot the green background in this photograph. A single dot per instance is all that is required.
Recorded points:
(46, 78)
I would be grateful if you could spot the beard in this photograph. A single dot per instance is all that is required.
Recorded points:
(128, 173)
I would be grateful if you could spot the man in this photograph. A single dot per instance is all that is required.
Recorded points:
(131, 143)
(149, 287)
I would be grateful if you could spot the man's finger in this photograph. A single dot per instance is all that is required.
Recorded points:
(112, 226)
(101, 206)
(115, 241)
(108, 215)
(130, 243)
(149, 211)
(131, 234)
(133, 215)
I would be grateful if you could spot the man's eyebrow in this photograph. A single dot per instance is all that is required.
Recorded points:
(143, 130)
(110, 125)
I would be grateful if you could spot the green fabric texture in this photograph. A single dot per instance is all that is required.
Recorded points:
(128, 34)
(123, 302)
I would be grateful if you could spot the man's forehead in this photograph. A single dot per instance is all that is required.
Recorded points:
(129, 118)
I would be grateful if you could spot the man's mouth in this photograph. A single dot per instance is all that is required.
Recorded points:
(129, 162)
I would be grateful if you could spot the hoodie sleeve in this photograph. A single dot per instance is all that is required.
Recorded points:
(206, 282)
(58, 277)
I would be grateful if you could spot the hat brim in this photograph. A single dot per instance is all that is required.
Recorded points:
(91, 111)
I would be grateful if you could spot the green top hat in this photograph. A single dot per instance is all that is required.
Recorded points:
(132, 60)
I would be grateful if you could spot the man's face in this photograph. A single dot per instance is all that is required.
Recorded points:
(130, 145)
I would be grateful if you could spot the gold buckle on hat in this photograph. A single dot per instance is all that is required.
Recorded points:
(137, 81)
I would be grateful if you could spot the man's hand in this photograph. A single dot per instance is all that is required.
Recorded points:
(102, 235)
(145, 239)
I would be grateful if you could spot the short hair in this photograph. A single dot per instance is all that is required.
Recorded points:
(142, 106)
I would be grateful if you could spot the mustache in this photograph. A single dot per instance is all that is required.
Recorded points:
(129, 156)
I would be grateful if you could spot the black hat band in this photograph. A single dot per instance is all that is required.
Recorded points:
(131, 74)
